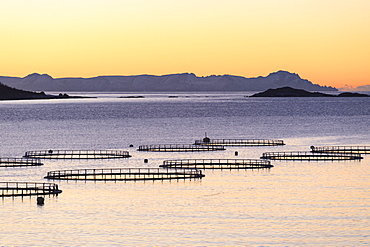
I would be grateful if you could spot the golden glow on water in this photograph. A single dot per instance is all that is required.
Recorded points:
(294, 203)
(321, 203)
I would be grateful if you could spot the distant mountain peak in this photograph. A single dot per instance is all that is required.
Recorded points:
(283, 73)
(35, 75)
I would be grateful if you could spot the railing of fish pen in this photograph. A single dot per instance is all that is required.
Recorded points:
(309, 156)
(77, 154)
(240, 142)
(8, 189)
(178, 148)
(13, 162)
(125, 174)
(217, 163)
(341, 149)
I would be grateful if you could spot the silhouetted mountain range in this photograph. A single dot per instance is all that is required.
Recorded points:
(165, 83)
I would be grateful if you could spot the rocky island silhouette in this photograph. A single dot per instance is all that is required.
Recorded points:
(293, 92)
(9, 93)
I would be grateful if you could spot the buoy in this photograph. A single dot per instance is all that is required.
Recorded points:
(236, 153)
(131, 145)
(145, 160)
(206, 139)
(40, 201)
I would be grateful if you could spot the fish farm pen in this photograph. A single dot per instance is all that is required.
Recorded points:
(178, 148)
(217, 164)
(77, 154)
(14, 162)
(239, 142)
(341, 149)
(309, 156)
(125, 174)
(8, 189)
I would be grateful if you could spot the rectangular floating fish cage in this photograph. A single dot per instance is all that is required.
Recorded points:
(77, 154)
(15, 162)
(309, 156)
(341, 149)
(8, 189)
(124, 174)
(239, 142)
(178, 148)
(217, 164)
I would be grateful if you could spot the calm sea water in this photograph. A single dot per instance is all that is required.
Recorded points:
(293, 203)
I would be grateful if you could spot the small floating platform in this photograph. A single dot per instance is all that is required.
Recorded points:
(341, 149)
(239, 142)
(77, 154)
(309, 156)
(178, 148)
(217, 164)
(8, 189)
(15, 162)
(125, 174)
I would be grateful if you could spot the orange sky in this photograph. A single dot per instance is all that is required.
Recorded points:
(326, 41)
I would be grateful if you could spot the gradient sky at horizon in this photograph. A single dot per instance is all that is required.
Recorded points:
(324, 41)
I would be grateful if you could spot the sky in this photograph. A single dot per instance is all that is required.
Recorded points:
(324, 41)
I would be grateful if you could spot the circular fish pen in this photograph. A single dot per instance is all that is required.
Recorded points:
(309, 156)
(16, 162)
(77, 154)
(178, 148)
(124, 174)
(341, 149)
(8, 189)
(217, 164)
(239, 142)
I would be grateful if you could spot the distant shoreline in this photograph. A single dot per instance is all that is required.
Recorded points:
(293, 92)
(9, 93)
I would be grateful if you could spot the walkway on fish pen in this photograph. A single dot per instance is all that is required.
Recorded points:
(8, 189)
(124, 174)
(15, 162)
(341, 149)
(309, 156)
(217, 164)
(77, 154)
(239, 142)
(178, 148)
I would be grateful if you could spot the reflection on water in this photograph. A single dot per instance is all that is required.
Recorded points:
(293, 203)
